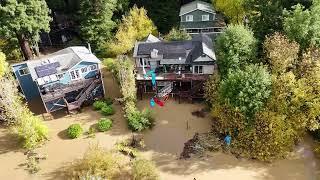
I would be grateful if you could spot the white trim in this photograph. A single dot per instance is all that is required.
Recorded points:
(77, 78)
(214, 12)
(205, 17)
(23, 69)
(96, 67)
(190, 18)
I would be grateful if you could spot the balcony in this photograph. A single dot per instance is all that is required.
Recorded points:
(59, 90)
(171, 75)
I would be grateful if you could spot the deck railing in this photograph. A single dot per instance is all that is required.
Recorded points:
(59, 90)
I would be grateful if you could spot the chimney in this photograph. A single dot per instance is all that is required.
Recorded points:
(89, 47)
(154, 53)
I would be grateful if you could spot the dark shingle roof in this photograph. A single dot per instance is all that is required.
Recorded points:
(188, 51)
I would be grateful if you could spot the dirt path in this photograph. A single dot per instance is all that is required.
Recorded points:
(164, 143)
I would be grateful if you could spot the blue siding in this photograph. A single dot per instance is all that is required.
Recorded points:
(28, 86)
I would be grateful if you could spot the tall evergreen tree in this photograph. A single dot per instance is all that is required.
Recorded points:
(24, 19)
(96, 21)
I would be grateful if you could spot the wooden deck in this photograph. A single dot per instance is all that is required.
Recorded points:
(59, 91)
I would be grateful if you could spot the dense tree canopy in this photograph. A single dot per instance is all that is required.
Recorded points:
(233, 9)
(96, 21)
(24, 19)
(246, 90)
(164, 13)
(303, 25)
(236, 47)
(177, 35)
(135, 26)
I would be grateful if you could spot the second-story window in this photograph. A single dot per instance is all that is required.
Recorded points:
(24, 71)
(93, 67)
(189, 18)
(205, 17)
(84, 70)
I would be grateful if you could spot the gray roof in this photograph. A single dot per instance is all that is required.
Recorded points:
(196, 5)
(64, 60)
(177, 52)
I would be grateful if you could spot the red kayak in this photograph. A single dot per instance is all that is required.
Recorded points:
(160, 103)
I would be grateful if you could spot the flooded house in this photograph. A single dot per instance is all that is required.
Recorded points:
(66, 79)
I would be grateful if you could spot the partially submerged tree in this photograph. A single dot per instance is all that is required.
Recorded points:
(135, 26)
(246, 90)
(177, 35)
(96, 21)
(24, 20)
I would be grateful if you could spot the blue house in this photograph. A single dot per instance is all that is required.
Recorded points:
(65, 79)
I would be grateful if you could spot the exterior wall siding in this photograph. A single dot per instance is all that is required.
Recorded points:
(197, 16)
(28, 86)
(207, 69)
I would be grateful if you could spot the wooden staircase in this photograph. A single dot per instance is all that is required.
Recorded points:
(83, 95)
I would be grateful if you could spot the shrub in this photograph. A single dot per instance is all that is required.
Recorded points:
(31, 130)
(74, 131)
(108, 101)
(96, 164)
(139, 121)
(98, 105)
(144, 169)
(107, 111)
(104, 124)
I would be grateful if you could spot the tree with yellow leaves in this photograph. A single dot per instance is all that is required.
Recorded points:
(233, 9)
(135, 26)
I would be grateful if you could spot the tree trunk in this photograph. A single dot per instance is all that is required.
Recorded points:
(25, 47)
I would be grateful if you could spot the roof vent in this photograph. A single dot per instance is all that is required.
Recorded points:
(180, 58)
(154, 53)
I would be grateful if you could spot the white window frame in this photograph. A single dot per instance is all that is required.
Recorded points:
(205, 17)
(95, 67)
(60, 76)
(84, 69)
(189, 18)
(25, 73)
(198, 68)
(74, 71)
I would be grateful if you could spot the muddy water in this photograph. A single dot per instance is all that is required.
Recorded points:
(174, 126)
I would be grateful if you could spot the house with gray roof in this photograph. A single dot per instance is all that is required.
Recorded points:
(65, 79)
(181, 64)
(200, 17)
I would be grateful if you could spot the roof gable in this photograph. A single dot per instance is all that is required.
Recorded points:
(196, 5)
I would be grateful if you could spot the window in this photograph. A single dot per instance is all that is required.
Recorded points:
(198, 69)
(84, 70)
(93, 67)
(189, 18)
(24, 71)
(205, 17)
(75, 74)
(59, 76)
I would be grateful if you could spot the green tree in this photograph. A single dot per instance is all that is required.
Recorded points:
(164, 13)
(24, 20)
(233, 9)
(302, 25)
(96, 21)
(135, 26)
(177, 35)
(236, 47)
(247, 89)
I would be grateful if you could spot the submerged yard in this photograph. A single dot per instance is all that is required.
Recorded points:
(174, 126)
